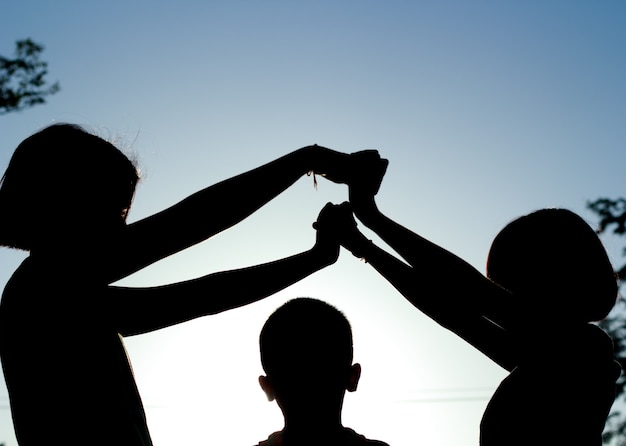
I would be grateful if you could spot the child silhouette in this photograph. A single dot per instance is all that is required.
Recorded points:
(64, 198)
(548, 278)
(306, 353)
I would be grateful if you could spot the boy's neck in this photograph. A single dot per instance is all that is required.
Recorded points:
(311, 434)
(311, 427)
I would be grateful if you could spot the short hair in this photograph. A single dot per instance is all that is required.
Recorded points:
(306, 334)
(551, 254)
(58, 171)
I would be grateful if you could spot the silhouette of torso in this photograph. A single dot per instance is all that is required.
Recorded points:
(347, 437)
(559, 394)
(66, 369)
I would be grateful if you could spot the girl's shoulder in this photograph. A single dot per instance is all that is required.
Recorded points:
(587, 351)
(22, 276)
(593, 340)
(582, 350)
(586, 341)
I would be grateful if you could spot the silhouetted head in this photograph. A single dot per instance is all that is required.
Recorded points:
(306, 352)
(555, 265)
(60, 177)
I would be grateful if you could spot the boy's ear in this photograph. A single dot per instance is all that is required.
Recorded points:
(265, 384)
(353, 379)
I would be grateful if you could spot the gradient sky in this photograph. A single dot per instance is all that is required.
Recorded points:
(486, 110)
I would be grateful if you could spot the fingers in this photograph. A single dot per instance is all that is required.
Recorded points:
(332, 214)
(361, 168)
(368, 172)
(336, 222)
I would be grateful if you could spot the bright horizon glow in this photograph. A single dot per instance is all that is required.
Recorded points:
(486, 111)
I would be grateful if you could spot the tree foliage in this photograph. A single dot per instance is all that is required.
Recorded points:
(22, 79)
(612, 214)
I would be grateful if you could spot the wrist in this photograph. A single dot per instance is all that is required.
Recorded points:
(364, 207)
(363, 249)
(314, 158)
(359, 245)
(325, 254)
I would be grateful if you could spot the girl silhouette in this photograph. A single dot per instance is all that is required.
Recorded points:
(548, 278)
(64, 198)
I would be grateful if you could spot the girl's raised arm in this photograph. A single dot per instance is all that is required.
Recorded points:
(220, 206)
(139, 310)
(438, 283)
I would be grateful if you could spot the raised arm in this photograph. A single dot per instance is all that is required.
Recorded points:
(140, 310)
(437, 282)
(218, 207)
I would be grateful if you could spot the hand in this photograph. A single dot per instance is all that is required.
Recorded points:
(326, 238)
(337, 223)
(367, 172)
(350, 168)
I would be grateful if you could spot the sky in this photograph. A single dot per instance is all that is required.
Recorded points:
(486, 110)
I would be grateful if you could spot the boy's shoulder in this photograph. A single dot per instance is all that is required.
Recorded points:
(354, 439)
(349, 438)
(369, 442)
(276, 439)
(375, 443)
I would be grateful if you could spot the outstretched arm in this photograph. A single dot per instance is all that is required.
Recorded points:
(438, 283)
(221, 206)
(140, 310)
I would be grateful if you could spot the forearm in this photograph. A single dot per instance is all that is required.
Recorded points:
(435, 269)
(215, 208)
(226, 203)
(230, 201)
(437, 298)
(146, 309)
(457, 314)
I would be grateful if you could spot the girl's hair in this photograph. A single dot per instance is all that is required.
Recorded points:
(60, 171)
(553, 259)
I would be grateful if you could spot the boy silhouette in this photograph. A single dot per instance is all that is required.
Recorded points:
(306, 353)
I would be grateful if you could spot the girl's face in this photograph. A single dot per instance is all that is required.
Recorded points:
(62, 185)
(555, 266)
(525, 264)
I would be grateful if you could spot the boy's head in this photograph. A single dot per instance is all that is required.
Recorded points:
(58, 176)
(306, 353)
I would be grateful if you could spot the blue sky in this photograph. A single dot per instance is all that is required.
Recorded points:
(486, 110)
